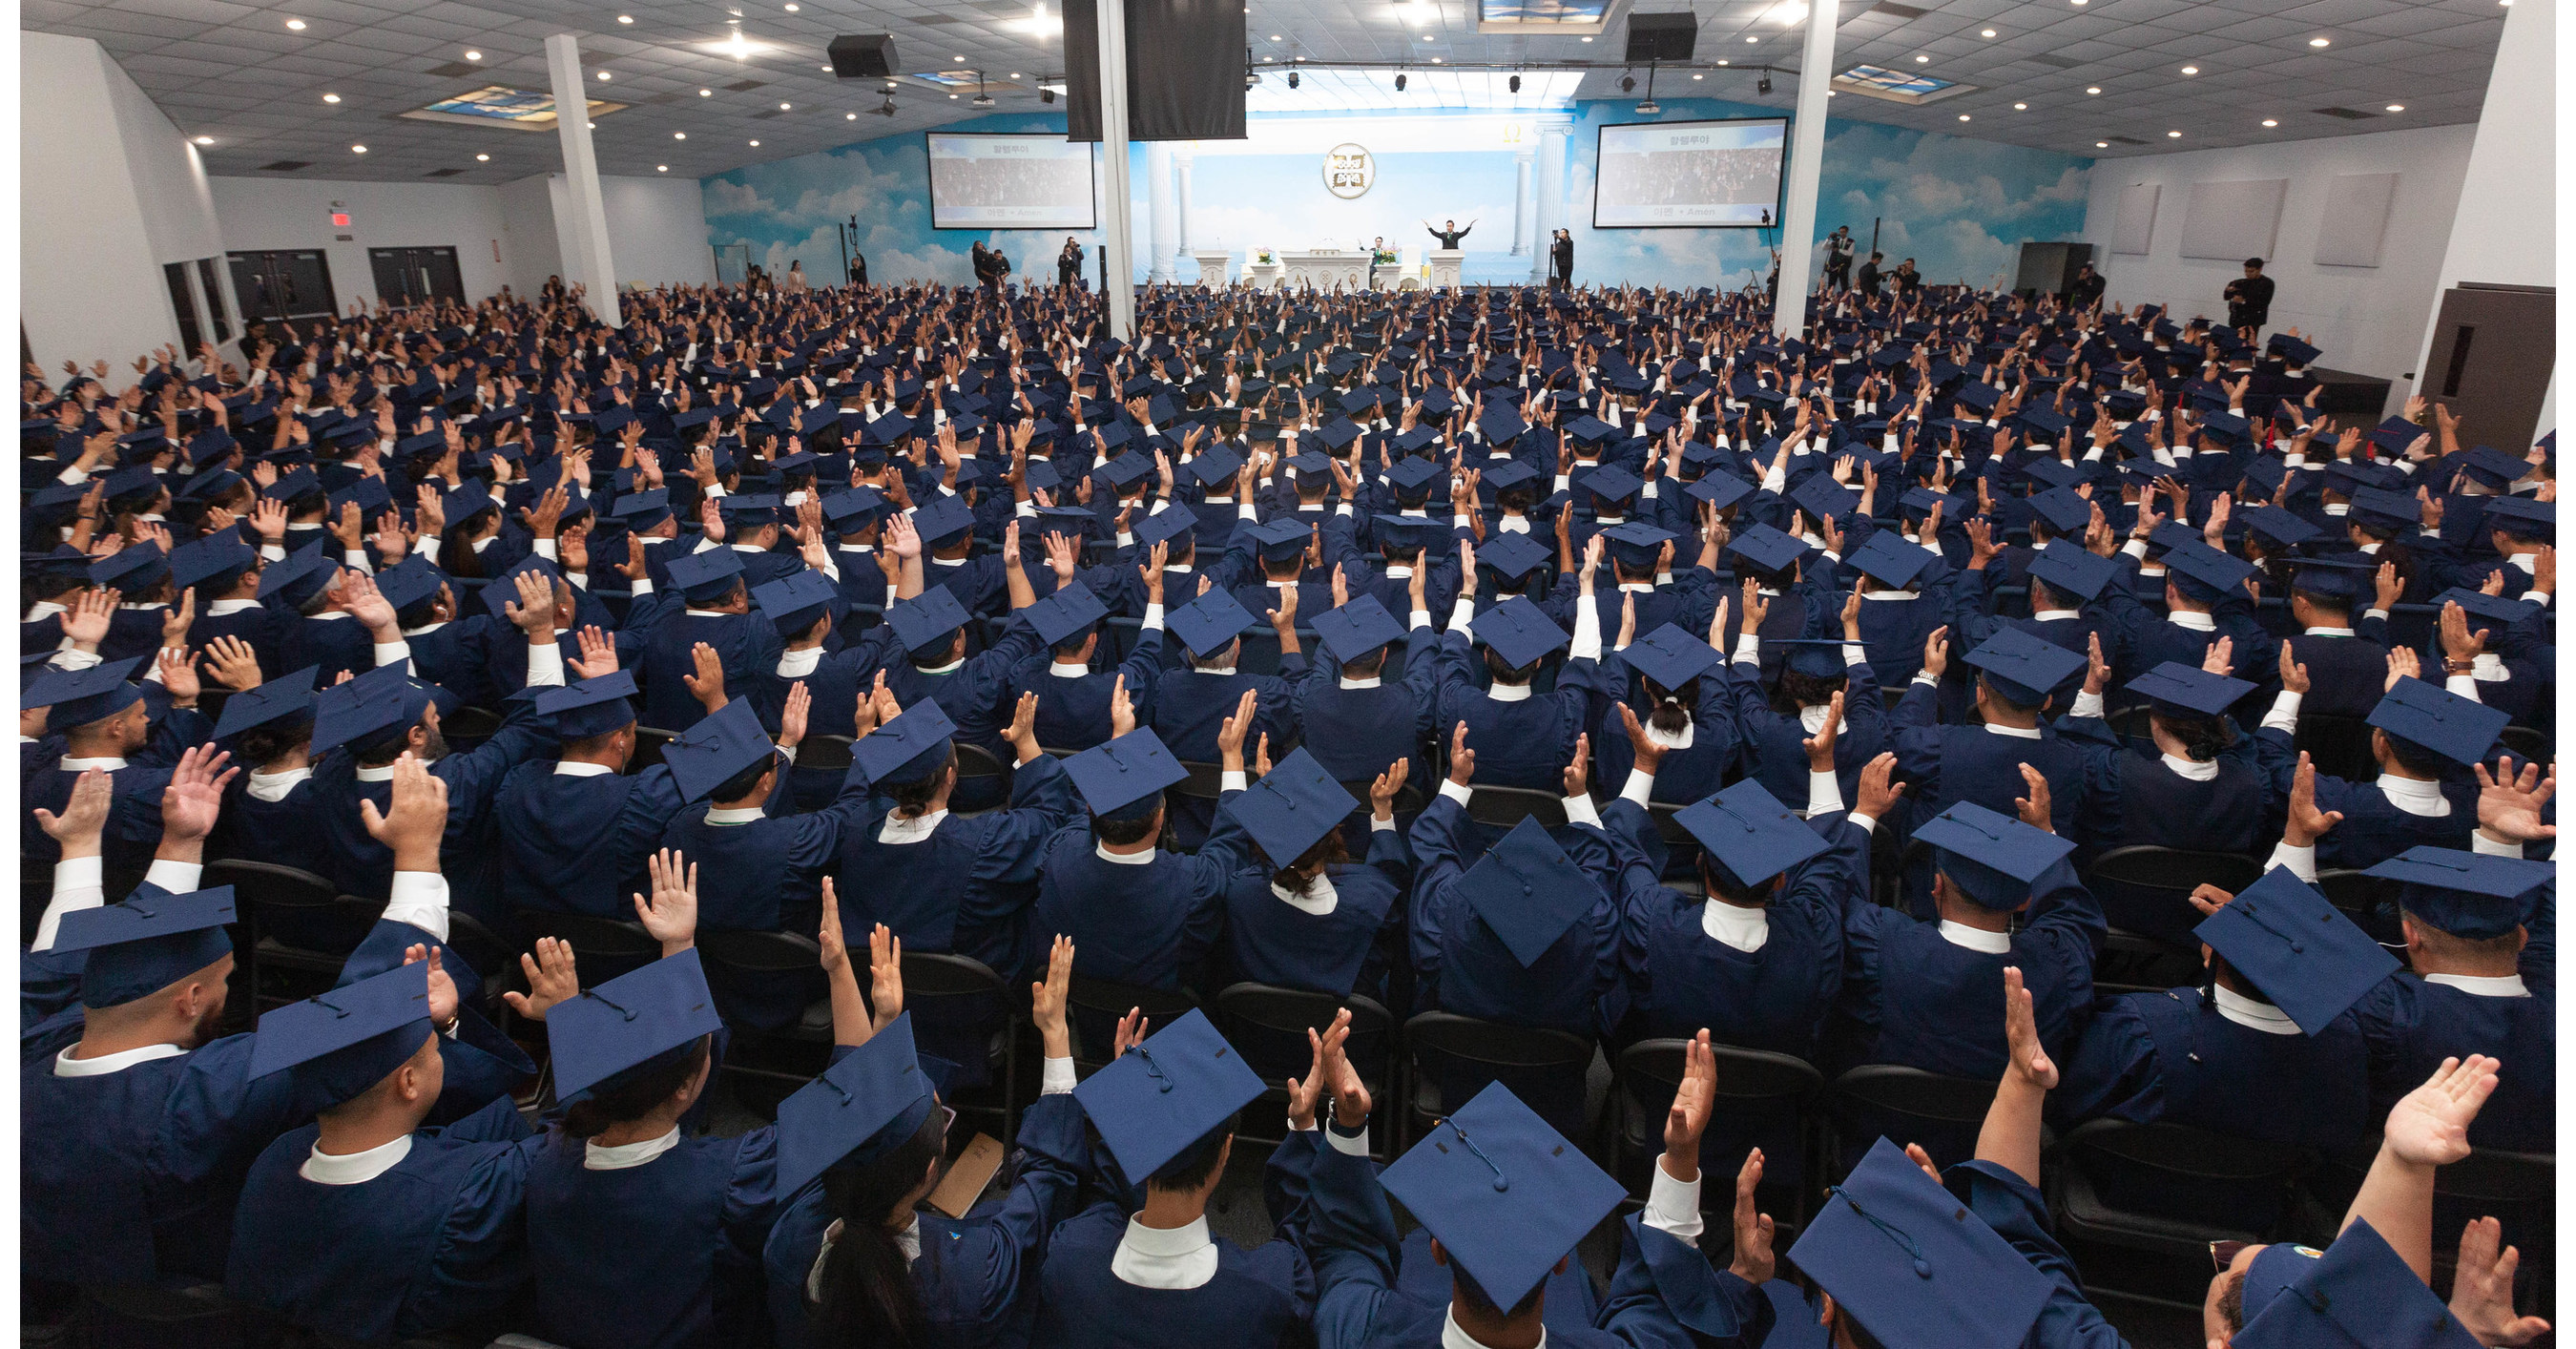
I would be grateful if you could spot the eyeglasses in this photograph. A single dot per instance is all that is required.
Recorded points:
(2223, 1253)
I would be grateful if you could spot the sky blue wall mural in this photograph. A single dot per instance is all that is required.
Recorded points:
(1957, 206)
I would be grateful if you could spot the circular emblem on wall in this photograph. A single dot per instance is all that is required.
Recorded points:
(1348, 170)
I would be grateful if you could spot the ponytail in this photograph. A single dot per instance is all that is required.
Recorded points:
(868, 1295)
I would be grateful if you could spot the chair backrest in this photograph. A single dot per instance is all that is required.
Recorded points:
(269, 885)
(1203, 782)
(1409, 798)
(938, 974)
(1916, 1094)
(649, 741)
(2528, 741)
(1093, 1007)
(830, 752)
(1743, 1075)
(760, 952)
(2182, 1151)
(2338, 746)
(973, 761)
(1504, 807)
(1464, 1039)
(2146, 890)
(1267, 1024)
(2365, 899)
(593, 938)
(470, 725)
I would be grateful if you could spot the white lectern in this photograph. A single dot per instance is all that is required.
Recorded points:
(1216, 268)
(1445, 263)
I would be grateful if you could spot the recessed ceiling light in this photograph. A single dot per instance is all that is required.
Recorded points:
(1721, 61)
(2271, 121)
(1751, 38)
(952, 97)
(1274, 37)
(2191, 70)
(2094, 90)
(793, 8)
(1434, 60)
(2101, 145)
(826, 69)
(755, 145)
(786, 107)
(295, 24)
(330, 98)
(357, 149)
(1699, 77)
(1015, 74)
(473, 56)
(706, 93)
(1922, 60)
(1587, 39)
(1426, 37)
(1986, 33)
(2173, 135)
(626, 18)
(849, 117)
(961, 58)
(2021, 107)
(2397, 107)
(679, 135)
(590, 126)
(205, 140)
(2320, 42)
(603, 74)
(482, 159)
(1963, 117)
(661, 168)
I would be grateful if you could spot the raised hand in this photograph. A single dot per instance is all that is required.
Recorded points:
(2429, 1126)
(1578, 769)
(885, 975)
(1687, 1118)
(1047, 1000)
(1820, 746)
(552, 979)
(792, 716)
(2027, 1062)
(1132, 1029)
(84, 817)
(534, 613)
(195, 796)
(1306, 1092)
(2482, 1291)
(232, 663)
(2402, 664)
(706, 683)
(598, 654)
(2509, 805)
(2306, 824)
(2294, 676)
(418, 819)
(1122, 712)
(671, 915)
(1232, 732)
(1754, 1261)
(1878, 791)
(2033, 808)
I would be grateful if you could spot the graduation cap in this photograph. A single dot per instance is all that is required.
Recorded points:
(459, 506)
(749, 509)
(1501, 424)
(365, 711)
(2280, 527)
(2226, 426)
(1355, 630)
(2466, 894)
(2283, 935)
(635, 1024)
(927, 620)
(2395, 434)
(1611, 484)
(1157, 1102)
(1519, 632)
(2045, 421)
(1993, 859)
(1215, 464)
(1671, 657)
(1507, 475)
(1768, 548)
(724, 743)
(907, 749)
(214, 556)
(2292, 351)
(134, 567)
(2187, 691)
(150, 941)
(1282, 539)
(1176, 525)
(1748, 833)
(2203, 573)
(1067, 614)
(343, 1042)
(640, 511)
(503, 590)
(1527, 891)
(2382, 509)
(1979, 395)
(1122, 780)
(871, 1100)
(2492, 467)
(796, 600)
(285, 699)
(2357, 1291)
(1914, 1265)
(2064, 511)
(2483, 607)
(367, 494)
(2336, 580)
(80, 697)
(943, 520)
(1513, 557)
(2456, 728)
(1208, 624)
(705, 577)
(1719, 489)
(1290, 807)
(1506, 1195)
(2022, 667)
(595, 706)
(1821, 657)
(1888, 559)
(2522, 518)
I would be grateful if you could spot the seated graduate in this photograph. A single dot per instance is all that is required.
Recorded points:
(268, 727)
(2345, 665)
(1813, 676)
(2504, 646)
(854, 1257)
(956, 884)
(365, 1225)
(1504, 1198)
(801, 606)
(1907, 981)
(1072, 697)
(1302, 914)
(638, 1234)
(1354, 721)
(2371, 1285)
(1899, 1262)
(716, 613)
(1680, 696)
(1192, 700)
(1904, 591)
(122, 730)
(2190, 783)
(2267, 1047)
(221, 572)
(2426, 740)
(2018, 678)
(1138, 1268)
(575, 833)
(1527, 738)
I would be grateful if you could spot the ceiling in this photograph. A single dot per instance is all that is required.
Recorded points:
(237, 74)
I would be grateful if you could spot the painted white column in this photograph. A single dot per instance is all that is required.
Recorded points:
(1806, 156)
(583, 235)
(2506, 231)
(1163, 219)
(1182, 162)
(1521, 203)
(1549, 200)
(1114, 222)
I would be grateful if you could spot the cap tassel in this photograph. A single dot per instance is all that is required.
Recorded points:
(612, 1006)
(1502, 1183)
(1922, 1267)
(1163, 1080)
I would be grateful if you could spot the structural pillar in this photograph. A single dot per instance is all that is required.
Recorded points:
(1163, 220)
(1182, 162)
(1806, 165)
(1115, 239)
(1521, 202)
(583, 234)
(1548, 214)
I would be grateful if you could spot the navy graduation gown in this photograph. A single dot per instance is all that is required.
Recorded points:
(335, 642)
(1775, 743)
(1271, 941)
(2132, 797)
(362, 866)
(577, 844)
(1191, 706)
(262, 626)
(1356, 733)
(978, 1274)
(1260, 1297)
(665, 1255)
(1685, 775)
(1464, 967)
(2411, 1024)
(2018, 1213)
(458, 656)
(432, 1244)
(971, 694)
(133, 829)
(745, 643)
(1938, 1006)
(2346, 675)
(1150, 924)
(1949, 764)
(764, 875)
(1525, 743)
(2373, 828)
(1073, 710)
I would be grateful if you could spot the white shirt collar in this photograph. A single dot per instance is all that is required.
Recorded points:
(1812, 719)
(2412, 795)
(1657, 734)
(573, 769)
(383, 774)
(1063, 671)
(275, 786)
(2016, 732)
(602, 1157)
(67, 1066)
(1451, 1337)
(423, 630)
(1125, 859)
(1735, 925)
(2527, 563)
(227, 608)
(2252, 1015)
(357, 1168)
(1165, 1257)
(2192, 769)
(105, 764)
(1317, 899)
(800, 663)
(1368, 683)
(2054, 615)
(2325, 632)
(729, 815)
(1976, 938)
(2508, 986)
(2185, 618)
(1891, 594)
(900, 829)
(1512, 524)
(1509, 693)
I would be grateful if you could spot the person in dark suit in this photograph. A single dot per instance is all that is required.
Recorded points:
(1561, 258)
(1068, 263)
(2249, 300)
(1868, 282)
(2086, 292)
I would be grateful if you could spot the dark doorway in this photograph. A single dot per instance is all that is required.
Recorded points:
(2493, 351)
(176, 273)
(291, 283)
(410, 276)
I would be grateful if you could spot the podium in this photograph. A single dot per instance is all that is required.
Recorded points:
(1326, 268)
(1387, 276)
(1445, 264)
(1263, 275)
(1216, 268)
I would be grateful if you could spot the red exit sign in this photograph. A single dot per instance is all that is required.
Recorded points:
(339, 220)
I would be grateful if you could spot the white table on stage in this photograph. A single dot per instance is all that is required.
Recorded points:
(1326, 268)
(1216, 268)
(1265, 275)
(1445, 263)
(1389, 276)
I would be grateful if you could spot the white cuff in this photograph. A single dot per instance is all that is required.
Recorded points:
(1462, 614)
(2479, 843)
(69, 659)
(545, 664)
(1420, 618)
(2465, 685)
(544, 548)
(639, 587)
(790, 752)
(1587, 631)
(1926, 677)
(1153, 618)
(355, 559)
(2284, 715)
(79, 883)
(1026, 510)
(389, 652)
(1672, 1207)
(1748, 649)
(1854, 654)
(1868, 823)
(420, 899)
(1450, 788)
(1233, 780)
(2536, 596)
(1387, 824)
(1824, 793)
(180, 878)
(73, 476)
(1640, 786)
(1354, 1146)
(1055, 1077)
(152, 675)
(2086, 705)
(2136, 548)
(1580, 810)
(2302, 862)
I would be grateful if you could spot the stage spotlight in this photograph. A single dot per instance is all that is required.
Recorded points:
(1292, 79)
(1627, 84)
(1649, 108)
(1046, 95)
(1765, 86)
(1516, 84)
(886, 109)
(1399, 84)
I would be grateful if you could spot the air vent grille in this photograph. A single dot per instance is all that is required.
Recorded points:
(2348, 114)
(286, 166)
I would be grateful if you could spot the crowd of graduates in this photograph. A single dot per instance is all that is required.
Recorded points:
(2033, 698)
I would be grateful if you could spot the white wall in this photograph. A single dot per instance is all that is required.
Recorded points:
(657, 231)
(2506, 231)
(273, 213)
(109, 190)
(2369, 320)
(530, 214)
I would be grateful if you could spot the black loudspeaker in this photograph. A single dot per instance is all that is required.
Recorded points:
(1662, 37)
(863, 56)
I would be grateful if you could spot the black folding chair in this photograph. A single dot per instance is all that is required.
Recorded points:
(1763, 1099)
(298, 924)
(602, 948)
(734, 956)
(1501, 808)
(1907, 1105)
(2167, 1191)
(468, 727)
(649, 741)
(2338, 746)
(1093, 1007)
(2530, 742)
(2146, 891)
(2367, 900)
(828, 752)
(962, 1011)
(1267, 1025)
(1449, 1058)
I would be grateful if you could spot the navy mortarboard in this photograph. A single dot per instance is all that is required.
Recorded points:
(1167, 1097)
(1506, 1196)
(1993, 859)
(2283, 935)
(636, 1023)
(1912, 1265)
(728, 743)
(147, 943)
(1123, 779)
